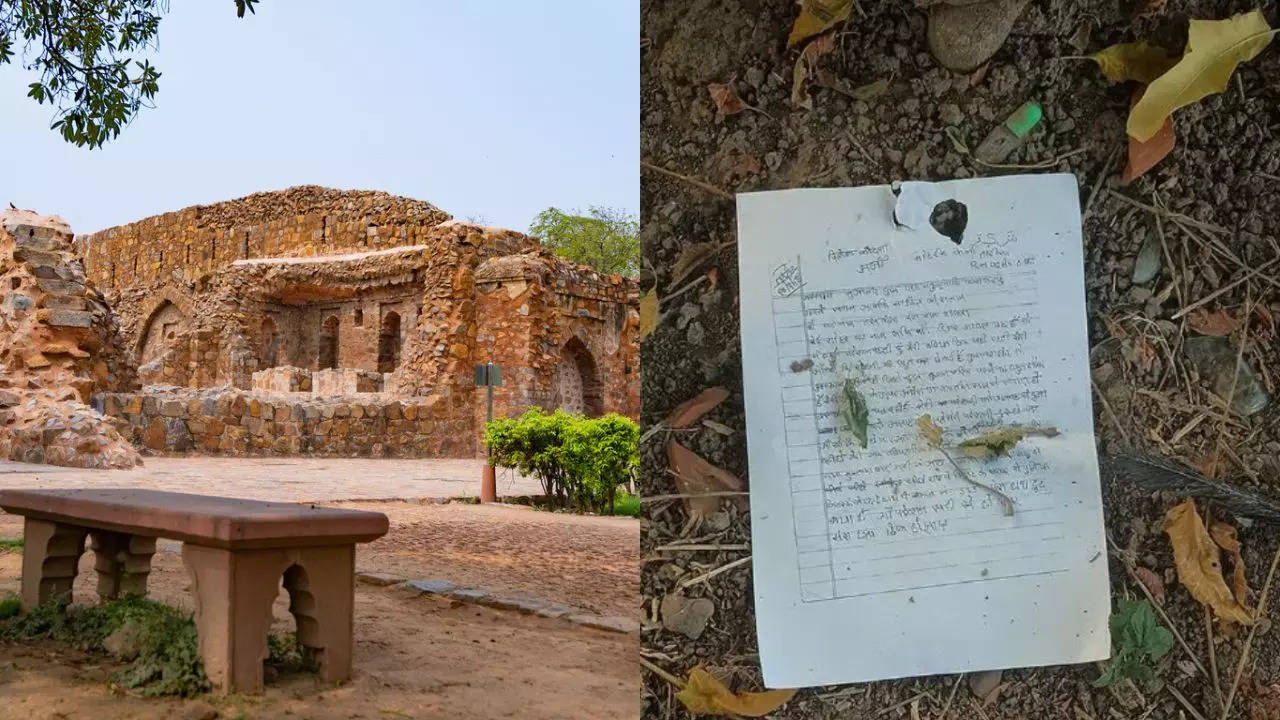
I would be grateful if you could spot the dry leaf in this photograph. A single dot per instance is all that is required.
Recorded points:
(1144, 155)
(648, 313)
(1000, 441)
(688, 412)
(817, 16)
(1196, 558)
(726, 99)
(1214, 49)
(1225, 536)
(867, 92)
(690, 257)
(808, 58)
(1264, 314)
(1216, 323)
(694, 475)
(704, 694)
(1133, 61)
(930, 431)
(1152, 581)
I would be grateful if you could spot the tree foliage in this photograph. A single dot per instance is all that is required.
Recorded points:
(579, 461)
(85, 54)
(607, 239)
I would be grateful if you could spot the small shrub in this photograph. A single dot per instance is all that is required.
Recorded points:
(168, 659)
(579, 461)
(14, 544)
(1138, 638)
(284, 654)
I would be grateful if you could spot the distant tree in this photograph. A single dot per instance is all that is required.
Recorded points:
(84, 52)
(607, 239)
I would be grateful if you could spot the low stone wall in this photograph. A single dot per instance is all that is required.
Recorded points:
(223, 421)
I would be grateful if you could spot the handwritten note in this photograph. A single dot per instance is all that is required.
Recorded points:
(884, 562)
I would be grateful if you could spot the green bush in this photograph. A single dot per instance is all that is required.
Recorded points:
(579, 461)
(168, 658)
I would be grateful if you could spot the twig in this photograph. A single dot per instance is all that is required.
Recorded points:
(947, 708)
(1036, 166)
(1244, 652)
(1005, 501)
(700, 184)
(895, 706)
(678, 548)
(1150, 598)
(1210, 227)
(1224, 289)
(1097, 184)
(1111, 413)
(661, 673)
(1185, 702)
(680, 496)
(707, 576)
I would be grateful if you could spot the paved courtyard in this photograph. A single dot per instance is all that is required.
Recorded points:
(282, 478)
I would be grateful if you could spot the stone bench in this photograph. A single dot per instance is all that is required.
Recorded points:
(236, 552)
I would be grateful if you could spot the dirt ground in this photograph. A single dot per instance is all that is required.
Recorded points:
(415, 657)
(1224, 173)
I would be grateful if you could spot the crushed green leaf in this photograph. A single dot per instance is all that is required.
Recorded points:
(853, 410)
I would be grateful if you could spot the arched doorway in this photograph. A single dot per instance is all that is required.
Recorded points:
(389, 343)
(577, 384)
(269, 350)
(160, 332)
(327, 355)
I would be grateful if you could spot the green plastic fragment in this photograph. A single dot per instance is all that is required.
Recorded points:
(1024, 119)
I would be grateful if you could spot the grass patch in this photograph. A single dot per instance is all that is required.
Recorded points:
(7, 544)
(10, 606)
(626, 504)
(167, 660)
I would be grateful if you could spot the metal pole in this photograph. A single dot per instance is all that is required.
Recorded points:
(489, 481)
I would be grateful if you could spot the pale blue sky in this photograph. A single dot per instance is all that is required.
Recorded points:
(489, 109)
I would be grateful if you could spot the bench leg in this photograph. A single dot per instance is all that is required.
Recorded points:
(233, 596)
(50, 556)
(321, 585)
(234, 592)
(123, 562)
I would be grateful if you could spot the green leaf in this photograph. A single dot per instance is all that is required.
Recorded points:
(853, 410)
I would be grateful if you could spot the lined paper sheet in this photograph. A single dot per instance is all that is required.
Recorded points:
(883, 562)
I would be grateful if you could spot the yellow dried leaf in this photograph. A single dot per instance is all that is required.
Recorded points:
(706, 695)
(1133, 61)
(1199, 570)
(1000, 441)
(1225, 536)
(817, 16)
(1214, 49)
(808, 58)
(648, 313)
(930, 431)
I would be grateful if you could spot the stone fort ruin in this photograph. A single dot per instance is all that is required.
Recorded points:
(326, 322)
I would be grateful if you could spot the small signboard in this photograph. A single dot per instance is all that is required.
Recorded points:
(488, 374)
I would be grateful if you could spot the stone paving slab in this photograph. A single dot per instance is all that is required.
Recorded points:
(447, 589)
(281, 478)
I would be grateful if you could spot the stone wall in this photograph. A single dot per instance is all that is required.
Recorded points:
(308, 220)
(59, 343)
(406, 306)
(224, 421)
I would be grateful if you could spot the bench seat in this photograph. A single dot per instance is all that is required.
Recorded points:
(236, 551)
